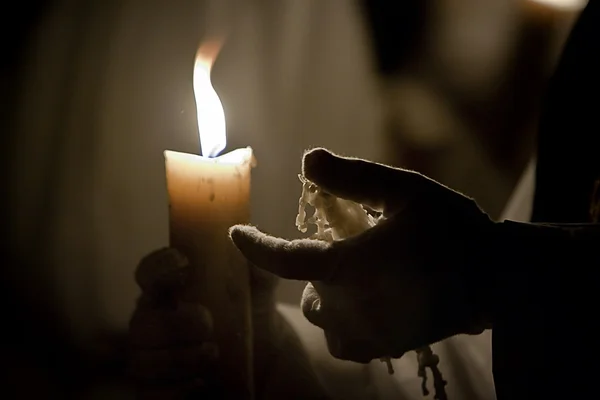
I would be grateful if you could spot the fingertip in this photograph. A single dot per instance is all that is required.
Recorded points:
(234, 231)
(242, 235)
(301, 259)
(241, 228)
(315, 160)
(252, 243)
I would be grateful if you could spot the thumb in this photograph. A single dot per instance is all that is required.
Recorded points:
(302, 259)
(163, 269)
(375, 185)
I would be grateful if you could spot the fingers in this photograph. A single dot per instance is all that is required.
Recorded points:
(374, 185)
(161, 270)
(173, 363)
(169, 338)
(311, 306)
(152, 328)
(303, 259)
(171, 344)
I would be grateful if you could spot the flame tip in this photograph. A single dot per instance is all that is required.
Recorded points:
(209, 49)
(211, 117)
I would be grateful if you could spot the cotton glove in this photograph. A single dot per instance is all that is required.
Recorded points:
(411, 280)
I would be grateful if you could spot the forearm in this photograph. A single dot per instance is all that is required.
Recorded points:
(541, 266)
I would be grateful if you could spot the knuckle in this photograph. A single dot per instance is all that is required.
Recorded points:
(188, 324)
(164, 266)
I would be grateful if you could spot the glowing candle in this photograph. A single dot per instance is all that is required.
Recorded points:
(207, 195)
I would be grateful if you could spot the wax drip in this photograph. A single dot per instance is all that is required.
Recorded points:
(427, 359)
(337, 219)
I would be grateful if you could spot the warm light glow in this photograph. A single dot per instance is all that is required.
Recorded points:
(236, 157)
(563, 4)
(211, 118)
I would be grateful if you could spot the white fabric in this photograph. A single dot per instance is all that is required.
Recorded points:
(465, 362)
(520, 203)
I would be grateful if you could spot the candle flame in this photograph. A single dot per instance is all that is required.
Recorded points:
(211, 118)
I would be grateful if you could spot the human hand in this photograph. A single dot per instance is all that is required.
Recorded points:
(172, 354)
(407, 282)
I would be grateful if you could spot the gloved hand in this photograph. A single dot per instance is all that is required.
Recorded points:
(172, 352)
(409, 281)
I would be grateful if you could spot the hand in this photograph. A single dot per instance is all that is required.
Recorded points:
(403, 284)
(171, 352)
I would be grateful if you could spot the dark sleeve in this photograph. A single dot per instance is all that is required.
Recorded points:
(545, 286)
(545, 290)
(539, 258)
(568, 148)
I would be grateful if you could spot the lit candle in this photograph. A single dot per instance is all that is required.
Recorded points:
(207, 195)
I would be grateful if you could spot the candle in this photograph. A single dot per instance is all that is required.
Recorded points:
(207, 195)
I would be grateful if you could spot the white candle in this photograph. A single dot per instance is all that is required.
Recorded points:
(207, 195)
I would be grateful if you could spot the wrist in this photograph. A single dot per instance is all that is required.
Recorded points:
(521, 259)
(489, 250)
(501, 271)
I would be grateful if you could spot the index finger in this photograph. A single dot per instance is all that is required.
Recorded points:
(302, 259)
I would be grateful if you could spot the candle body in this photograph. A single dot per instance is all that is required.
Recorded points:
(206, 197)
